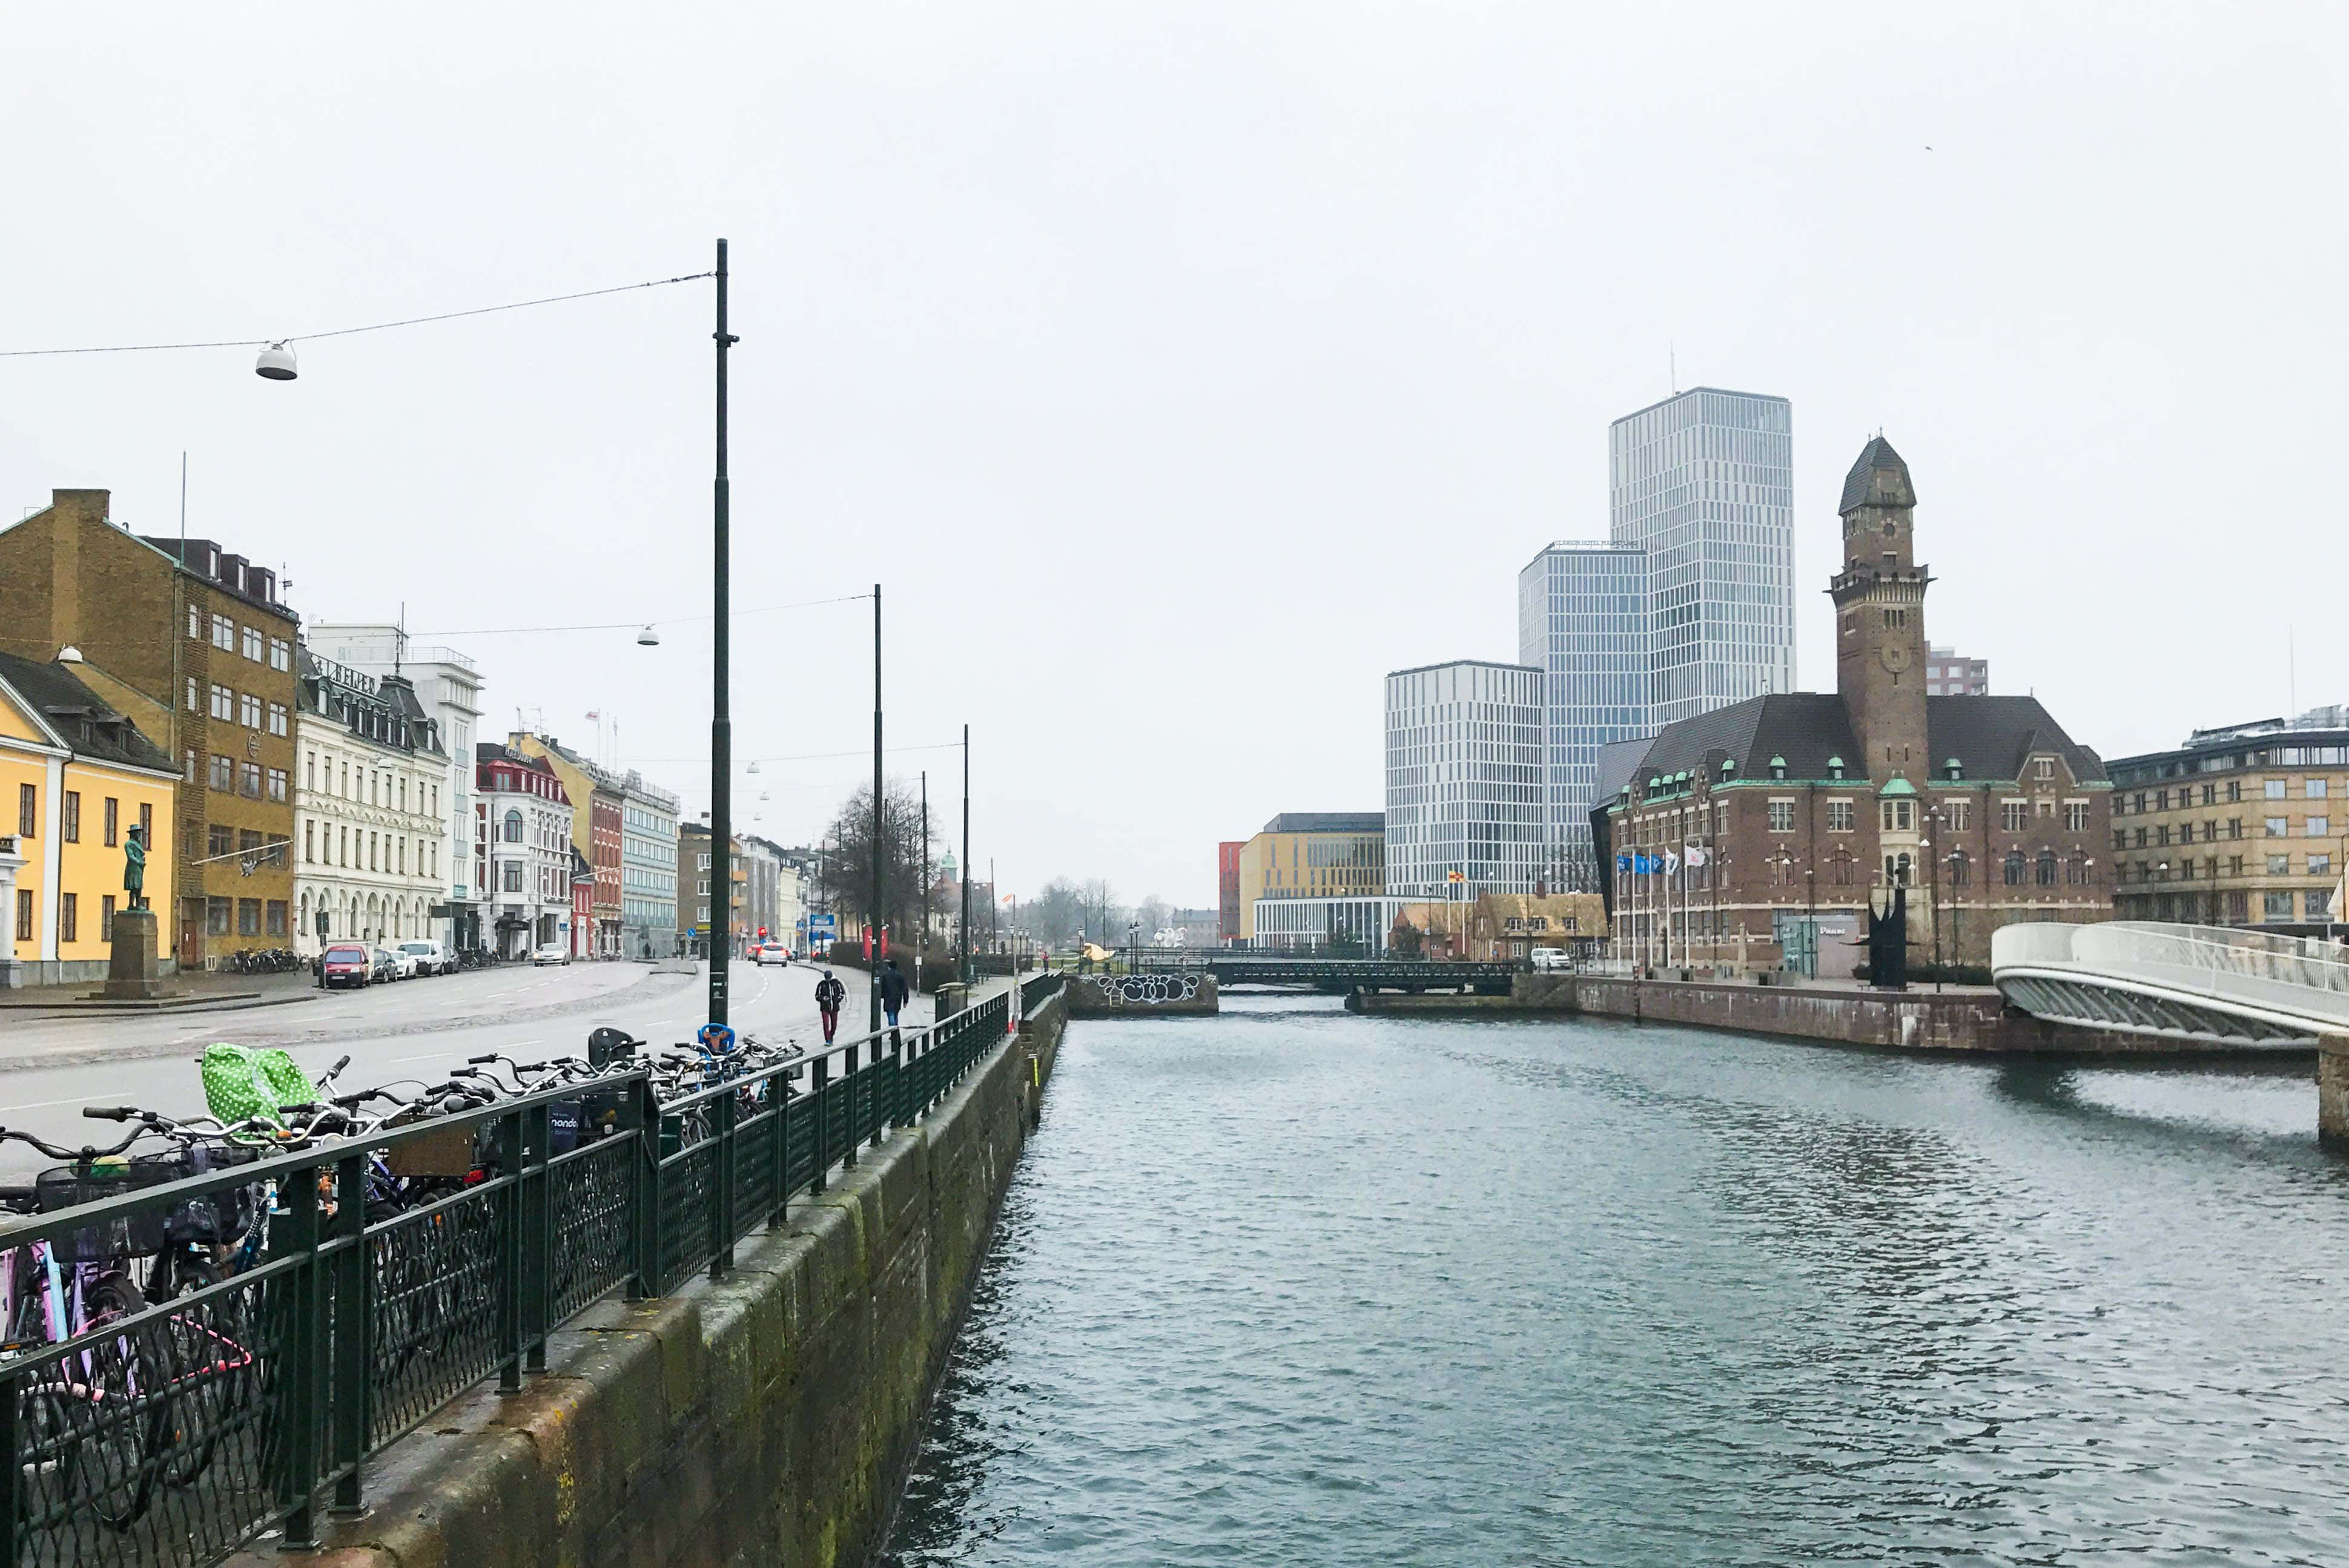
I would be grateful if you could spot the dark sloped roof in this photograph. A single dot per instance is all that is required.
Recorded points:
(1805, 728)
(1327, 823)
(89, 726)
(1860, 486)
(1991, 736)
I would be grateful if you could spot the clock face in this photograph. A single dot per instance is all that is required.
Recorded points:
(1895, 656)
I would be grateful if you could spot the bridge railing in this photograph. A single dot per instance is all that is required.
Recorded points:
(2279, 975)
(170, 1435)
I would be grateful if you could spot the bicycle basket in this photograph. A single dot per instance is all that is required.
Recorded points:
(211, 1217)
(69, 1186)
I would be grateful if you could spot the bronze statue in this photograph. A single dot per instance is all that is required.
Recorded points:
(134, 868)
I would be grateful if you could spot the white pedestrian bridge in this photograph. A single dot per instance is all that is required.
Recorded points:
(2181, 982)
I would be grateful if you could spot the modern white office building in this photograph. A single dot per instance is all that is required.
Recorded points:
(1582, 621)
(1703, 483)
(1465, 794)
(449, 686)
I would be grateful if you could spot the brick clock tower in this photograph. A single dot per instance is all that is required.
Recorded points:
(1880, 599)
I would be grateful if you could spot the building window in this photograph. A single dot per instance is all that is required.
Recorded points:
(1961, 869)
(2014, 869)
(28, 810)
(513, 827)
(1897, 816)
(248, 917)
(1839, 816)
(224, 702)
(189, 768)
(23, 914)
(195, 624)
(2278, 827)
(224, 772)
(1782, 821)
(224, 636)
(2075, 872)
(252, 644)
(2234, 827)
(106, 918)
(277, 718)
(309, 842)
(194, 706)
(218, 911)
(2278, 906)
(2046, 868)
(113, 822)
(276, 915)
(2316, 787)
(220, 840)
(1959, 812)
(2015, 815)
(2161, 835)
(2279, 865)
(249, 710)
(2319, 865)
(2075, 816)
(2043, 768)
(71, 829)
(277, 784)
(2320, 905)
(68, 917)
(248, 781)
(2274, 789)
(2319, 828)
(281, 654)
(513, 876)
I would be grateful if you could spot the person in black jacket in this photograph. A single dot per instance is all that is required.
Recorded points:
(894, 991)
(829, 995)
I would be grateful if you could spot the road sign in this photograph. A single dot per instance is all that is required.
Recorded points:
(822, 925)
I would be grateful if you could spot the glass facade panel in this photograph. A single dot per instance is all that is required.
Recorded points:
(1464, 790)
(1582, 621)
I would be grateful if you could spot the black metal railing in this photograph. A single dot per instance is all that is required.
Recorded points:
(172, 1434)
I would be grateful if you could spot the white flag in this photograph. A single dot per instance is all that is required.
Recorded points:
(1672, 863)
(1696, 854)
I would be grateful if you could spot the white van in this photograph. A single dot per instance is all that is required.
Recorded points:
(430, 958)
(1551, 958)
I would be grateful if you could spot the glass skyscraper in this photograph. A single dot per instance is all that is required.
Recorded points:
(1582, 621)
(1703, 483)
(1464, 780)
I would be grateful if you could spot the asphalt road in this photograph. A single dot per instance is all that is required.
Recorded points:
(411, 1030)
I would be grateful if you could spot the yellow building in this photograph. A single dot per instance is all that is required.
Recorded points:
(1313, 855)
(81, 778)
(1503, 927)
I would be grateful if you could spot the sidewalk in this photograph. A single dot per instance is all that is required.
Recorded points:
(195, 991)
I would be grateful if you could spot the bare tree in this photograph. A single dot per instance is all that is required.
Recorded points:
(848, 871)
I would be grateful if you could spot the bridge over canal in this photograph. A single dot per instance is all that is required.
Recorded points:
(1242, 966)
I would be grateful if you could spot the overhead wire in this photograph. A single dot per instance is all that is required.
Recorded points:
(629, 626)
(347, 331)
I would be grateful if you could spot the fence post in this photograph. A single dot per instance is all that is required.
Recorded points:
(508, 1141)
(781, 1087)
(353, 1387)
(856, 1082)
(897, 1081)
(641, 1115)
(876, 1118)
(721, 1171)
(820, 1091)
(537, 1195)
(298, 1466)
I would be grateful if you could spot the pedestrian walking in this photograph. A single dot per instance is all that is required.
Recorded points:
(894, 991)
(829, 995)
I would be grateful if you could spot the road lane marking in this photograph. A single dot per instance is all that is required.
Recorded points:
(45, 1104)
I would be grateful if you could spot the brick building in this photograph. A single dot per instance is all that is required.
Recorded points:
(596, 833)
(190, 644)
(1777, 820)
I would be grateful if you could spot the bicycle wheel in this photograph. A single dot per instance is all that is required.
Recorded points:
(109, 1461)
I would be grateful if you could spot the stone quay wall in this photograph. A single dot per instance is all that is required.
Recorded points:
(1969, 1020)
(765, 1418)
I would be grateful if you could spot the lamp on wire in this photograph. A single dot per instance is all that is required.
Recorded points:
(648, 639)
(275, 363)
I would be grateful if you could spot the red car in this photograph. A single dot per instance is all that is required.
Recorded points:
(345, 965)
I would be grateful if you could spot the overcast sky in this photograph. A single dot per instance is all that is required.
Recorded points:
(1180, 370)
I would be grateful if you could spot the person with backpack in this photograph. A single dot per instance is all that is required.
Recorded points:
(893, 992)
(829, 995)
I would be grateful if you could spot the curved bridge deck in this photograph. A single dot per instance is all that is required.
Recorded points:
(1242, 967)
(2202, 982)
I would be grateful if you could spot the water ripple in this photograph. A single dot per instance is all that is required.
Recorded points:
(1291, 1286)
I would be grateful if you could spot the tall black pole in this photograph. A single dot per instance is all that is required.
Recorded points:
(922, 942)
(721, 721)
(880, 844)
(966, 862)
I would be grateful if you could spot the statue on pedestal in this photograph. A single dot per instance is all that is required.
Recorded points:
(134, 868)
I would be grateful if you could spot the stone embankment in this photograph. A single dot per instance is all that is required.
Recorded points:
(1972, 1019)
(1176, 995)
(767, 1417)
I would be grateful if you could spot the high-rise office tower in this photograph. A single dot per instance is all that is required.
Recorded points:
(1703, 483)
(1464, 780)
(1582, 621)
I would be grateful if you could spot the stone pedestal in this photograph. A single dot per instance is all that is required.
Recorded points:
(131, 975)
(2333, 1091)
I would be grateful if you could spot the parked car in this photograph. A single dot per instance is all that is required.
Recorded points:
(552, 952)
(346, 964)
(430, 958)
(1550, 958)
(384, 965)
(773, 953)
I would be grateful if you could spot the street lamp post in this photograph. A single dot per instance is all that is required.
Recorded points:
(721, 722)
(880, 847)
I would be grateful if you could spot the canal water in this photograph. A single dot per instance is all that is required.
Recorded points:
(1293, 1286)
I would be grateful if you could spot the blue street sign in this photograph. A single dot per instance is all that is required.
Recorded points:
(822, 925)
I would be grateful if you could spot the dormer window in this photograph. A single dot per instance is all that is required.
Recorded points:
(1835, 767)
(2042, 768)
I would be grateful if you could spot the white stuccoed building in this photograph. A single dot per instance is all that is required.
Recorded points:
(522, 851)
(371, 827)
(449, 686)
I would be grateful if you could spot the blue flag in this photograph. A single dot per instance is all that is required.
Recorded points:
(1622, 862)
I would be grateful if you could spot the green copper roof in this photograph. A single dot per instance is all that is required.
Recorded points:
(1898, 786)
